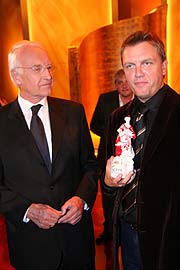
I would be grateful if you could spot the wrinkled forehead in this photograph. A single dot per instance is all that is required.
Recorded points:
(32, 55)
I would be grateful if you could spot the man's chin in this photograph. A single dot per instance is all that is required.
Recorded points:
(46, 88)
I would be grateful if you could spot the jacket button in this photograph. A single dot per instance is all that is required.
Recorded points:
(52, 187)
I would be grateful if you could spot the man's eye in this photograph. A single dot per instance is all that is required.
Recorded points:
(50, 67)
(120, 82)
(129, 66)
(37, 68)
(147, 63)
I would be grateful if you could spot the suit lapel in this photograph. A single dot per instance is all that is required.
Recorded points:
(116, 100)
(18, 123)
(16, 114)
(159, 127)
(58, 121)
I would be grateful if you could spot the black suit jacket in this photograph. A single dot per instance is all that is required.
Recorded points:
(106, 104)
(24, 179)
(158, 196)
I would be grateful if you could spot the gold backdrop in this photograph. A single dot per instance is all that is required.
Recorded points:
(93, 62)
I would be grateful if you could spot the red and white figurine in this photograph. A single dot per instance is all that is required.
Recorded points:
(123, 161)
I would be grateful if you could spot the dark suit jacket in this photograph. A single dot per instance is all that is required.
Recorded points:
(24, 179)
(158, 196)
(106, 104)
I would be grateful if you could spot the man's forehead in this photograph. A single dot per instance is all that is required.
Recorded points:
(120, 79)
(33, 54)
(140, 50)
(31, 50)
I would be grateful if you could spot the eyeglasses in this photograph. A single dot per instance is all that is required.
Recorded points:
(40, 68)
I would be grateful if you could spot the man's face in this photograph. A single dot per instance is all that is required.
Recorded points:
(144, 69)
(123, 87)
(34, 81)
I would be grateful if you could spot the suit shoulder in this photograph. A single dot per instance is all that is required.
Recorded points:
(172, 96)
(109, 94)
(65, 104)
(124, 110)
(4, 109)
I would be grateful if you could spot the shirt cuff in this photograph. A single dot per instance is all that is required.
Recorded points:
(25, 219)
(86, 207)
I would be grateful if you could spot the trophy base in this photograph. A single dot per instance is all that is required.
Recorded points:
(121, 165)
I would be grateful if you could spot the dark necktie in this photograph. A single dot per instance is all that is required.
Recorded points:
(37, 129)
(129, 196)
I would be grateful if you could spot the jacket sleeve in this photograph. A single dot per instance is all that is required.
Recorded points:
(87, 188)
(98, 121)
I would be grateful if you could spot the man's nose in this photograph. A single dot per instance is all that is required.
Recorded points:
(138, 70)
(48, 72)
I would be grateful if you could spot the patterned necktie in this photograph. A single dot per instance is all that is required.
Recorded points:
(37, 129)
(129, 196)
(140, 129)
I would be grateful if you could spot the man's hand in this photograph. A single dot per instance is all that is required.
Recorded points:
(43, 215)
(118, 181)
(72, 211)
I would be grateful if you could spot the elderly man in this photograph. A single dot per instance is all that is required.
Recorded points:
(48, 172)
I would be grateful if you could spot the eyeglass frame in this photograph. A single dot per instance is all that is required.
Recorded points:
(41, 67)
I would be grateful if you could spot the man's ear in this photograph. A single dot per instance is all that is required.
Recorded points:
(16, 78)
(164, 67)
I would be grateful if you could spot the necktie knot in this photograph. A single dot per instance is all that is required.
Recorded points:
(143, 108)
(35, 109)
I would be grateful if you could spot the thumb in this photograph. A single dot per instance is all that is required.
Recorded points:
(64, 209)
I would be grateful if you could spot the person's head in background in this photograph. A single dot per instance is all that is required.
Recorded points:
(122, 86)
(144, 62)
(30, 70)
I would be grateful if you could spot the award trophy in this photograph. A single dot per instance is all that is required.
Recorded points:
(123, 161)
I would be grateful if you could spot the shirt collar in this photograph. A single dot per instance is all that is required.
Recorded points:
(120, 100)
(26, 105)
(153, 103)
